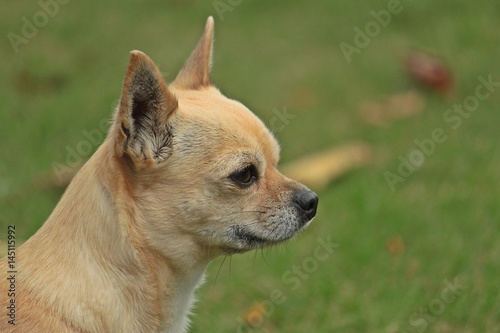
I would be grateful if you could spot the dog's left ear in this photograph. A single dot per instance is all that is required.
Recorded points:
(141, 128)
(196, 71)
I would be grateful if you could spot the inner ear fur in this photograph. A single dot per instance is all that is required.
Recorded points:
(143, 132)
(141, 123)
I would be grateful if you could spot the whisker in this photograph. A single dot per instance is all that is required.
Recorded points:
(218, 271)
(263, 256)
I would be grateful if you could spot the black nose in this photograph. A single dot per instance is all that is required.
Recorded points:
(307, 201)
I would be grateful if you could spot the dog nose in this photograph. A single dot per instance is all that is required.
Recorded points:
(307, 201)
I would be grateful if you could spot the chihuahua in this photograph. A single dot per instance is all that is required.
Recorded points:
(183, 176)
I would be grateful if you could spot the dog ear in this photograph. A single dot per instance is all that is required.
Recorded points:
(141, 121)
(196, 71)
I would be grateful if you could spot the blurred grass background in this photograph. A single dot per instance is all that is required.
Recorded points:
(396, 249)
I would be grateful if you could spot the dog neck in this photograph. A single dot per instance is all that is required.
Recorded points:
(95, 226)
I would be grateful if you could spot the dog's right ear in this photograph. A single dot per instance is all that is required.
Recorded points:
(141, 128)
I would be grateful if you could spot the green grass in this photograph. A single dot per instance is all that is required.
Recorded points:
(286, 54)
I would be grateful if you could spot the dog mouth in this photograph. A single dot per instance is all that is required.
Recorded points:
(244, 240)
(277, 227)
(249, 238)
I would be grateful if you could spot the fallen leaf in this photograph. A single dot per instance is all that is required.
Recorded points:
(396, 245)
(429, 71)
(318, 170)
(27, 82)
(303, 98)
(397, 106)
(254, 316)
(405, 105)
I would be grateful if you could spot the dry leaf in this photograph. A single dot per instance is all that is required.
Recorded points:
(396, 245)
(430, 72)
(303, 98)
(254, 316)
(318, 170)
(397, 106)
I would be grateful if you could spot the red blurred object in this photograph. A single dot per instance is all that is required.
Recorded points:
(430, 72)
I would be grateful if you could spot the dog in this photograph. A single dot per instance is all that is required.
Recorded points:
(184, 175)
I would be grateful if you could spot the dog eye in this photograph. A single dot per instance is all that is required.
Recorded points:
(245, 177)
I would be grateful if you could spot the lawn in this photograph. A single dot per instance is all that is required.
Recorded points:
(420, 254)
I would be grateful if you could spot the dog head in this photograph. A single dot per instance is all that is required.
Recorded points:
(201, 167)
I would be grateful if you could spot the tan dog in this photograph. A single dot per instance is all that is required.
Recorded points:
(184, 175)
